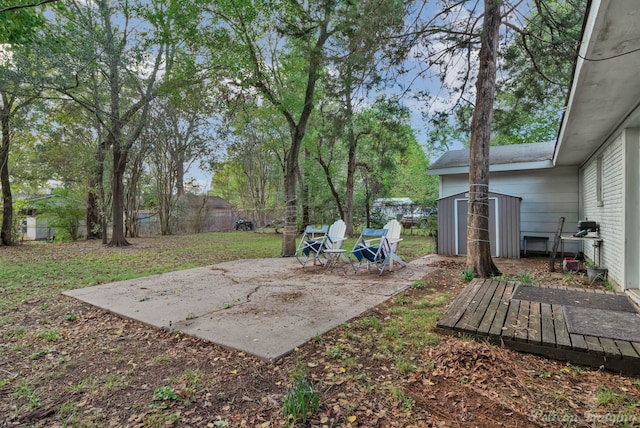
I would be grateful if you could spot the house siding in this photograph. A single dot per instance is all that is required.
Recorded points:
(547, 195)
(609, 212)
(618, 209)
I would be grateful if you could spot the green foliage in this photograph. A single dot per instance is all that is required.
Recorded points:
(335, 351)
(301, 402)
(468, 275)
(418, 284)
(165, 393)
(537, 70)
(406, 402)
(608, 398)
(64, 212)
(25, 391)
(524, 277)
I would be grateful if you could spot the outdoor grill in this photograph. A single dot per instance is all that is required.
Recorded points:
(588, 228)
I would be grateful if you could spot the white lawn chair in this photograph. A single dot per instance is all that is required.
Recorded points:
(332, 250)
(394, 230)
(371, 249)
(311, 244)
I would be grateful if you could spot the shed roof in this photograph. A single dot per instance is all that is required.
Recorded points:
(465, 194)
(512, 157)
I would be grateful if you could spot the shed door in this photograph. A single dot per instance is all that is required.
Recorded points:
(462, 207)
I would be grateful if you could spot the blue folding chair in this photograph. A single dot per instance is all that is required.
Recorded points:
(311, 244)
(371, 249)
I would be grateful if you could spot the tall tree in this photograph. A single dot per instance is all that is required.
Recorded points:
(540, 34)
(180, 134)
(265, 41)
(359, 56)
(18, 92)
(536, 64)
(130, 63)
(478, 243)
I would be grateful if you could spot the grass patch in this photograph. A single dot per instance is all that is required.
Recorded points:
(524, 278)
(407, 403)
(410, 329)
(26, 392)
(609, 398)
(467, 275)
(301, 402)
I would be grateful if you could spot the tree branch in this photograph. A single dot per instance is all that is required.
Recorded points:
(25, 6)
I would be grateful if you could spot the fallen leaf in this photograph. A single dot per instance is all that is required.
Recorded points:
(352, 419)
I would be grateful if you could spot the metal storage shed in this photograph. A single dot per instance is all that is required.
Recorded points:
(504, 224)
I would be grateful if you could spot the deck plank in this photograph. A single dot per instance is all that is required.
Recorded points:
(626, 349)
(483, 306)
(547, 329)
(459, 306)
(579, 343)
(466, 321)
(593, 344)
(521, 332)
(535, 323)
(492, 309)
(511, 320)
(609, 347)
(497, 326)
(560, 326)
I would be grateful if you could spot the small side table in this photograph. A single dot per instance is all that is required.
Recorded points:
(528, 238)
(333, 257)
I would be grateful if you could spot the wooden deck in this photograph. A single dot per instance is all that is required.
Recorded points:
(485, 311)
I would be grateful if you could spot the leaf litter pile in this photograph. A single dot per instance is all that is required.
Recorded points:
(64, 363)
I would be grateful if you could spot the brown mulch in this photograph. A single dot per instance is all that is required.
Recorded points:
(102, 370)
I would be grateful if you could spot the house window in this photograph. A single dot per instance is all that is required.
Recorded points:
(599, 181)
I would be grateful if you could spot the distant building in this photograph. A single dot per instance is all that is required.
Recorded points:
(392, 208)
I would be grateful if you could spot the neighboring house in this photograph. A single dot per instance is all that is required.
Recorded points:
(594, 170)
(195, 214)
(34, 225)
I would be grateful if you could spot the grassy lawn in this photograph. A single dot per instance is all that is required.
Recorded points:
(39, 270)
(64, 363)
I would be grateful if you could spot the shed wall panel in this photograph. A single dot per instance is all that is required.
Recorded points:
(507, 236)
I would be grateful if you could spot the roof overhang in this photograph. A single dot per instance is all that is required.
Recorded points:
(521, 166)
(605, 91)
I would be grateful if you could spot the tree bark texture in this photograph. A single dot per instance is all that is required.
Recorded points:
(118, 238)
(95, 197)
(478, 242)
(351, 162)
(6, 237)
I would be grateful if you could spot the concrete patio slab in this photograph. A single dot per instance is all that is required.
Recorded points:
(265, 307)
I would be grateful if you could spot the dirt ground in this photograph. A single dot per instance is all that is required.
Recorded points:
(109, 371)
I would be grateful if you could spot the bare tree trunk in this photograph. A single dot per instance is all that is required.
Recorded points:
(303, 177)
(132, 200)
(478, 240)
(351, 161)
(118, 238)
(178, 160)
(95, 202)
(6, 237)
(290, 221)
(291, 170)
